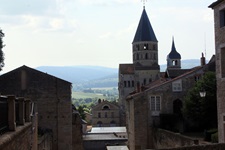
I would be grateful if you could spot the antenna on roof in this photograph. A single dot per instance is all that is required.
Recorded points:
(144, 3)
(205, 44)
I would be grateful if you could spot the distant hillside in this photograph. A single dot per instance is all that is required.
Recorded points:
(78, 74)
(185, 64)
(96, 76)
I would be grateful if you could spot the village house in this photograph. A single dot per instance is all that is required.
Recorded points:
(105, 114)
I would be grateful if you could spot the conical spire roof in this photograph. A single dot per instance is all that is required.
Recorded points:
(174, 54)
(144, 31)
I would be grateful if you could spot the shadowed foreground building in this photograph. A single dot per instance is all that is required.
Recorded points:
(52, 97)
(219, 26)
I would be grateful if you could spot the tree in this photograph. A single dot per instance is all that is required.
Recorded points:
(202, 111)
(81, 109)
(1, 52)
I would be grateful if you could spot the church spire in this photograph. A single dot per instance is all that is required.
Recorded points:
(144, 31)
(173, 58)
(174, 54)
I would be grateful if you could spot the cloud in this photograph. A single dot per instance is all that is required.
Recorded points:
(107, 2)
(105, 35)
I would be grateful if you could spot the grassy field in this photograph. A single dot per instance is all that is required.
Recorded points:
(78, 95)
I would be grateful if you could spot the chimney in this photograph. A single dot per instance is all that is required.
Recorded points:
(202, 60)
(138, 87)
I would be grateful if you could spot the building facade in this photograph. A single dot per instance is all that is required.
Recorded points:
(156, 104)
(219, 26)
(52, 97)
(105, 114)
(144, 68)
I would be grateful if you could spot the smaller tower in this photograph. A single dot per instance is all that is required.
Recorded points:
(173, 58)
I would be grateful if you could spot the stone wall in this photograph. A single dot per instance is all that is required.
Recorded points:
(220, 68)
(21, 139)
(167, 139)
(77, 132)
(45, 142)
(52, 96)
(200, 147)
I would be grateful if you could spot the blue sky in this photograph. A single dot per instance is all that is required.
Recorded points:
(100, 32)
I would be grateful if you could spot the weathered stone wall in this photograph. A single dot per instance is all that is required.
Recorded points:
(167, 139)
(112, 117)
(52, 96)
(220, 68)
(199, 147)
(45, 142)
(77, 132)
(21, 139)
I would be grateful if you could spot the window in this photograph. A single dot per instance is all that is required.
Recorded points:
(137, 57)
(222, 62)
(144, 82)
(105, 107)
(146, 56)
(137, 47)
(132, 83)
(145, 46)
(155, 103)
(177, 86)
(222, 18)
(112, 114)
(128, 83)
(154, 47)
(106, 115)
(125, 83)
(99, 115)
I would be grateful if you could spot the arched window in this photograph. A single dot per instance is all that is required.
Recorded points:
(106, 107)
(112, 123)
(99, 123)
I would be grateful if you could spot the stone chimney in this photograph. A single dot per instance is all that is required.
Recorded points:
(138, 87)
(203, 60)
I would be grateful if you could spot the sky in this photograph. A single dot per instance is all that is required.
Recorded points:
(100, 32)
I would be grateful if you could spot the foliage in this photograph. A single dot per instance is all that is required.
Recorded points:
(81, 110)
(214, 137)
(202, 112)
(90, 97)
(1, 52)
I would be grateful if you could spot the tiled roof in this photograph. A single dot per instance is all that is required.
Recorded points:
(126, 69)
(144, 31)
(172, 73)
(215, 3)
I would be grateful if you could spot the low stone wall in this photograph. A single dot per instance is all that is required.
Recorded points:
(45, 142)
(167, 139)
(21, 139)
(200, 147)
